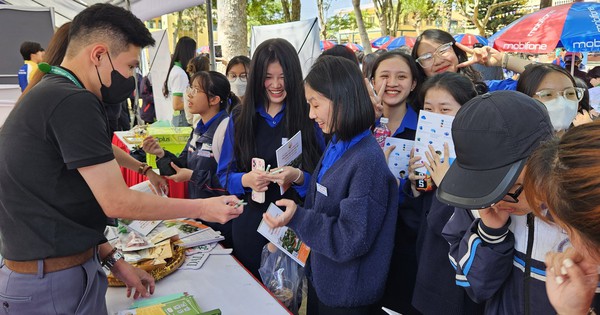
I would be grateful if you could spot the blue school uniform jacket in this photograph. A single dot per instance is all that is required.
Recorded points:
(504, 266)
(350, 229)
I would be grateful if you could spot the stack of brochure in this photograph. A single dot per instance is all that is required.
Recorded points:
(180, 304)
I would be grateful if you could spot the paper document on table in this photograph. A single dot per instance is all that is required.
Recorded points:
(399, 158)
(284, 238)
(288, 153)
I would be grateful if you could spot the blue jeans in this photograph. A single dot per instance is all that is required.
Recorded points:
(77, 290)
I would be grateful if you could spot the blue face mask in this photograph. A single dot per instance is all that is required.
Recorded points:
(120, 87)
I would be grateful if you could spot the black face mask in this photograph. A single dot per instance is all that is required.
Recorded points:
(120, 87)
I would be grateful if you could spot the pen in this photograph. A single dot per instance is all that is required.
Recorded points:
(240, 203)
(277, 171)
(268, 168)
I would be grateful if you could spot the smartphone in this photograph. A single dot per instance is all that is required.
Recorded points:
(425, 184)
(258, 164)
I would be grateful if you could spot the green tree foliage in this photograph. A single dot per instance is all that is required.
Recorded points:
(503, 16)
(194, 20)
(264, 12)
(479, 12)
(418, 11)
(347, 21)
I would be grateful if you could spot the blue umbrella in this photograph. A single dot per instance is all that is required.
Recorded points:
(399, 42)
(378, 42)
(470, 39)
(355, 47)
(575, 26)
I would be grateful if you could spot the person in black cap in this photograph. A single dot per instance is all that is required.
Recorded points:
(498, 249)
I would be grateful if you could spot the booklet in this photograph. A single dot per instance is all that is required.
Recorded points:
(180, 303)
(284, 238)
(435, 130)
(399, 158)
(288, 153)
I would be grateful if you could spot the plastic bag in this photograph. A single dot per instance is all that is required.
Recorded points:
(282, 276)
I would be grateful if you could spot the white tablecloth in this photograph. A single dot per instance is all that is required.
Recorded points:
(221, 283)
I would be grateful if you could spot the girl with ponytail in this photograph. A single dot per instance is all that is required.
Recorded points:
(209, 95)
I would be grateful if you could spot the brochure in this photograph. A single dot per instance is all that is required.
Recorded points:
(284, 238)
(435, 130)
(180, 304)
(399, 158)
(288, 153)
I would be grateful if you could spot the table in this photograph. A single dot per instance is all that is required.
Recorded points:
(221, 283)
(176, 190)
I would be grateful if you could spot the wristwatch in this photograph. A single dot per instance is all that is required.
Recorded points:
(112, 258)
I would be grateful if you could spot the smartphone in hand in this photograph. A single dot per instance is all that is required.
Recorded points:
(258, 164)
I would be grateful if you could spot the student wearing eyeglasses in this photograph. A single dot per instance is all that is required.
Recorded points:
(555, 87)
(497, 245)
(237, 74)
(436, 51)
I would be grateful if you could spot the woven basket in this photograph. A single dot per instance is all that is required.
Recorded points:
(173, 264)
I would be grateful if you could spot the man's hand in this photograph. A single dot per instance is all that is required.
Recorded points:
(220, 209)
(136, 280)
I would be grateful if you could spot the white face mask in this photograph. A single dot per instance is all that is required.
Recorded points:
(562, 112)
(238, 87)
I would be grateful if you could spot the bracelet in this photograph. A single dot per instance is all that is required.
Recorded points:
(144, 168)
(505, 60)
(297, 178)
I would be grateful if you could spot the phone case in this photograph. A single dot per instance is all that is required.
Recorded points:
(258, 164)
(424, 184)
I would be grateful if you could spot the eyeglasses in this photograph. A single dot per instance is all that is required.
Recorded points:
(426, 60)
(192, 91)
(572, 94)
(232, 76)
(513, 197)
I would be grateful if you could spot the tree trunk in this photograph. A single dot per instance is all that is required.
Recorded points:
(285, 5)
(296, 6)
(232, 27)
(322, 19)
(364, 37)
(417, 24)
(381, 16)
(448, 15)
(397, 14)
(177, 27)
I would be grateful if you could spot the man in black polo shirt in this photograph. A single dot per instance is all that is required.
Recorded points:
(59, 179)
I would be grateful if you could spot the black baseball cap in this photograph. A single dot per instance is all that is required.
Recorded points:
(493, 136)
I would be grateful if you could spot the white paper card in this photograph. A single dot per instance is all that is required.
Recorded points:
(288, 152)
(434, 129)
(399, 158)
